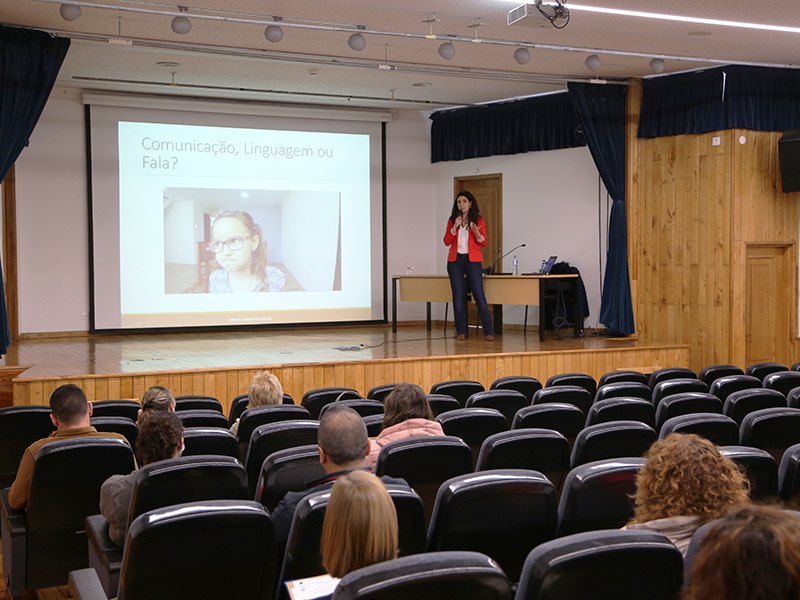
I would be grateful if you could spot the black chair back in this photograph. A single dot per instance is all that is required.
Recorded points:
(723, 387)
(542, 450)
(253, 418)
(238, 406)
(566, 419)
(623, 389)
(441, 403)
(209, 440)
(507, 402)
(771, 429)
(116, 408)
(686, 403)
(197, 403)
(473, 425)
(669, 387)
(618, 439)
(574, 379)
(712, 373)
(719, 429)
(202, 418)
(528, 386)
(287, 471)
(789, 474)
(460, 389)
(374, 425)
(660, 375)
(740, 404)
(174, 552)
(566, 394)
(121, 425)
(620, 376)
(20, 426)
(379, 392)
(364, 408)
(314, 400)
(503, 514)
(762, 369)
(621, 409)
(782, 381)
(760, 468)
(272, 437)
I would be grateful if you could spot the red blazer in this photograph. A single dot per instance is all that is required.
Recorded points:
(451, 240)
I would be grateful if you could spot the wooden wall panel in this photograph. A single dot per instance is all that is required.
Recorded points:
(225, 384)
(693, 207)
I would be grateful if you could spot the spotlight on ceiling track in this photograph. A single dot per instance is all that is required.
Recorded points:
(657, 65)
(522, 55)
(70, 12)
(593, 62)
(357, 42)
(181, 25)
(273, 33)
(447, 50)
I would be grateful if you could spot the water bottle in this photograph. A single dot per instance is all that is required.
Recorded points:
(544, 264)
(516, 266)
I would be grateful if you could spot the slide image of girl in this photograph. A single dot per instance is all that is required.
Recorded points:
(237, 244)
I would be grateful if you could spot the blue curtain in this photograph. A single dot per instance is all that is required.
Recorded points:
(29, 63)
(601, 112)
(756, 98)
(540, 123)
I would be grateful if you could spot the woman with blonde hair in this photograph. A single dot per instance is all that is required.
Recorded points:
(752, 554)
(265, 389)
(685, 483)
(156, 399)
(360, 527)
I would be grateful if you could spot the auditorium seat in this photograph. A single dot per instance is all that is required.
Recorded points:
(665, 374)
(598, 495)
(473, 425)
(793, 398)
(725, 386)
(771, 429)
(782, 381)
(429, 576)
(503, 514)
(623, 389)
(507, 402)
(362, 406)
(542, 450)
(121, 425)
(761, 470)
(583, 380)
(621, 409)
(521, 383)
(183, 403)
(740, 404)
(287, 471)
(618, 439)
(116, 408)
(175, 552)
(263, 415)
(569, 394)
(789, 474)
(20, 426)
(209, 440)
(613, 565)
(379, 392)
(238, 406)
(425, 463)
(272, 437)
(719, 429)
(685, 404)
(374, 425)
(441, 403)
(161, 484)
(460, 389)
(622, 376)
(713, 372)
(314, 400)
(202, 418)
(762, 369)
(43, 544)
(566, 419)
(670, 387)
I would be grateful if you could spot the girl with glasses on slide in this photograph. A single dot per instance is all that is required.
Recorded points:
(237, 243)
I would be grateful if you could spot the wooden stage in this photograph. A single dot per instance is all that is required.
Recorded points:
(221, 364)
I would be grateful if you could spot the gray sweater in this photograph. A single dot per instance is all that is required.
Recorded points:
(115, 502)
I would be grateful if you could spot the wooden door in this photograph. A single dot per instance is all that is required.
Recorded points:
(768, 298)
(488, 192)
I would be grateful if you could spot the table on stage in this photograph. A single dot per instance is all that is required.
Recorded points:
(524, 290)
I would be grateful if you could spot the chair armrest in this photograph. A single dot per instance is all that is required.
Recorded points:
(14, 535)
(105, 557)
(14, 517)
(85, 585)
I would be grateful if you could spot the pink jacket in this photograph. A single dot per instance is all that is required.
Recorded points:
(409, 428)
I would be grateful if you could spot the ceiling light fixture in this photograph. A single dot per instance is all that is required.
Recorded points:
(70, 12)
(593, 63)
(447, 50)
(357, 42)
(273, 33)
(657, 65)
(168, 64)
(522, 55)
(181, 25)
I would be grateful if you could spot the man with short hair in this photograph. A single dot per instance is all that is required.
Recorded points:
(343, 447)
(70, 415)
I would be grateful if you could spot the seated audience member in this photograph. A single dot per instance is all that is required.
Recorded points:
(160, 438)
(265, 389)
(156, 399)
(751, 554)
(685, 483)
(407, 414)
(360, 527)
(343, 448)
(70, 415)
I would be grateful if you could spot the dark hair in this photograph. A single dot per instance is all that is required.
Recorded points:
(258, 265)
(342, 435)
(406, 401)
(159, 437)
(69, 404)
(474, 211)
(751, 554)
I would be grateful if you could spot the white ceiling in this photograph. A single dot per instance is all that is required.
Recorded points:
(233, 60)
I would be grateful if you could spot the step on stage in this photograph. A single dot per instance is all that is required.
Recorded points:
(222, 364)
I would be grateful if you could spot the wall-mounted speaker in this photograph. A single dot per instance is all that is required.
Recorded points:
(789, 151)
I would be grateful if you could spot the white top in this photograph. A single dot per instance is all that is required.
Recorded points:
(463, 240)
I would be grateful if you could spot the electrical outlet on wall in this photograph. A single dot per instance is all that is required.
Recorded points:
(716, 141)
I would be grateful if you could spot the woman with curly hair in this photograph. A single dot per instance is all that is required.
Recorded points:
(685, 483)
(752, 554)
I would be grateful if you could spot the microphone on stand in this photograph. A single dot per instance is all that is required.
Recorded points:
(490, 270)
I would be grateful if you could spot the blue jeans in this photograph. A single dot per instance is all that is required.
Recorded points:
(463, 272)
